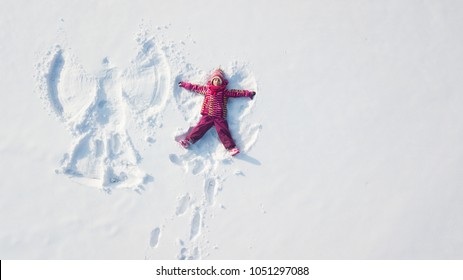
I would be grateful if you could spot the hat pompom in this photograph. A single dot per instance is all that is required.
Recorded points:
(218, 74)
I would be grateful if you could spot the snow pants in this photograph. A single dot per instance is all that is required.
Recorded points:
(221, 125)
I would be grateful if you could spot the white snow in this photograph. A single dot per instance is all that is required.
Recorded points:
(350, 150)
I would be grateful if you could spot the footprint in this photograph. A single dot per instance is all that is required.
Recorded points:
(154, 238)
(183, 205)
(175, 159)
(210, 190)
(195, 224)
(183, 254)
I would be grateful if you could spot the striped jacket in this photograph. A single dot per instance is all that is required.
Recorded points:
(216, 97)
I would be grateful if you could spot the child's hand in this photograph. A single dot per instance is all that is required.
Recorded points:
(253, 93)
(180, 84)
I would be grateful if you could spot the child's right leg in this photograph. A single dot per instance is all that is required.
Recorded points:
(200, 129)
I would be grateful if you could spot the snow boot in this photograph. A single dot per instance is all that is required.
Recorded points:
(184, 143)
(234, 151)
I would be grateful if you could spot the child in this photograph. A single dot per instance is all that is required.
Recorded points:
(214, 110)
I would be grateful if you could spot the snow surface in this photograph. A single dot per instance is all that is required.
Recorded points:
(350, 150)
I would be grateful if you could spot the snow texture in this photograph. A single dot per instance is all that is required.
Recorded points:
(97, 110)
(351, 148)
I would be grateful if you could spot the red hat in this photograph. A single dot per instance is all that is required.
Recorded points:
(218, 74)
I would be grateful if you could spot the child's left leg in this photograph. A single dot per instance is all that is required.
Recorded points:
(221, 125)
(200, 129)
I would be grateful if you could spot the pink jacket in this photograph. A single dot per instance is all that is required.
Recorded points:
(216, 97)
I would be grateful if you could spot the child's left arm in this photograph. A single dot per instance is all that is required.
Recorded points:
(239, 93)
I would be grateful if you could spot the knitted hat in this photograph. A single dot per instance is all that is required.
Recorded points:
(218, 74)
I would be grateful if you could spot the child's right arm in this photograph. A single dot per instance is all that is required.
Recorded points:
(192, 87)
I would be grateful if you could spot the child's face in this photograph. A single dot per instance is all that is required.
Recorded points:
(216, 82)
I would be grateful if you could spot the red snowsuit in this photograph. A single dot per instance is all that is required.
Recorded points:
(214, 109)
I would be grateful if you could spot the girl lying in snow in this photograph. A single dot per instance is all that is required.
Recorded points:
(214, 110)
